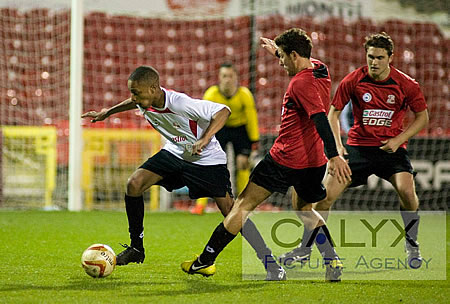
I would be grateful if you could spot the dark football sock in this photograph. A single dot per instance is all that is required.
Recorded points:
(254, 238)
(411, 220)
(218, 241)
(324, 243)
(308, 239)
(135, 213)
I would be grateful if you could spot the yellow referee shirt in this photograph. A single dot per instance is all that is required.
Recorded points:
(243, 111)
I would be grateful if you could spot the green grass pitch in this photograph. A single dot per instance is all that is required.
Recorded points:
(40, 263)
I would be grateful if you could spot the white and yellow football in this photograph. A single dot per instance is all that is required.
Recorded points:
(98, 260)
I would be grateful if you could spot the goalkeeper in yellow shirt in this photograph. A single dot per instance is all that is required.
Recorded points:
(241, 128)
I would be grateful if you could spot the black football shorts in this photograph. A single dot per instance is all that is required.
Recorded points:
(202, 181)
(238, 138)
(277, 178)
(365, 161)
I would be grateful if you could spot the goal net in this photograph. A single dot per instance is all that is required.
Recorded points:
(186, 41)
(34, 86)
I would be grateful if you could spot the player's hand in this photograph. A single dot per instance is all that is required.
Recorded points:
(198, 146)
(390, 145)
(338, 168)
(269, 45)
(96, 116)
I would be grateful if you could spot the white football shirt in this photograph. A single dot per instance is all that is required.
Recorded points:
(182, 122)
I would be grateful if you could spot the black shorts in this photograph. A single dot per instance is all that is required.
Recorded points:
(365, 161)
(202, 181)
(277, 178)
(238, 137)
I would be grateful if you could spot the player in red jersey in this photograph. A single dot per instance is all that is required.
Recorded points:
(380, 96)
(297, 157)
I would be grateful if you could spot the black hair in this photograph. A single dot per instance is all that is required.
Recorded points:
(145, 74)
(227, 64)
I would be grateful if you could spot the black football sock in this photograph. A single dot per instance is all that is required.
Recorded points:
(218, 241)
(135, 213)
(411, 220)
(254, 238)
(324, 243)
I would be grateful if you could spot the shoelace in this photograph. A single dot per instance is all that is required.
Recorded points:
(125, 245)
(128, 247)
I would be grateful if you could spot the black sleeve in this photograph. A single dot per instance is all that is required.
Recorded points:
(324, 130)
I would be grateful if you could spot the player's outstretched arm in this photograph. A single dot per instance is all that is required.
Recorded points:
(217, 122)
(125, 105)
(420, 121)
(269, 45)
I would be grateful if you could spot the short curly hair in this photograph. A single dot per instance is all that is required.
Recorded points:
(381, 40)
(295, 39)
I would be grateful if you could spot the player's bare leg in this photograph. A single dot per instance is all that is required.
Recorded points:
(141, 180)
(138, 182)
(249, 199)
(315, 232)
(334, 190)
(302, 253)
(224, 204)
(403, 183)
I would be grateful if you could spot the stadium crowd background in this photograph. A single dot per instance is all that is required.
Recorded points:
(187, 41)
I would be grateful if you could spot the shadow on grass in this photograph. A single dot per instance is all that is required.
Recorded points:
(143, 288)
(86, 284)
(200, 285)
(196, 285)
(407, 284)
(351, 275)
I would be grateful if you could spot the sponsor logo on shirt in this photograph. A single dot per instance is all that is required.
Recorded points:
(178, 139)
(375, 117)
(367, 97)
(391, 99)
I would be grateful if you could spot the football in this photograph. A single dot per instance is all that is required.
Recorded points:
(98, 260)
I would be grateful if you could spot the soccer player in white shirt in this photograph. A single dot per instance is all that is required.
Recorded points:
(191, 157)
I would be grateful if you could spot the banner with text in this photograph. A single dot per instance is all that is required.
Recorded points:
(371, 246)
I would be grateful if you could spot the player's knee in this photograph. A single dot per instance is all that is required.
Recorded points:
(134, 186)
(409, 199)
